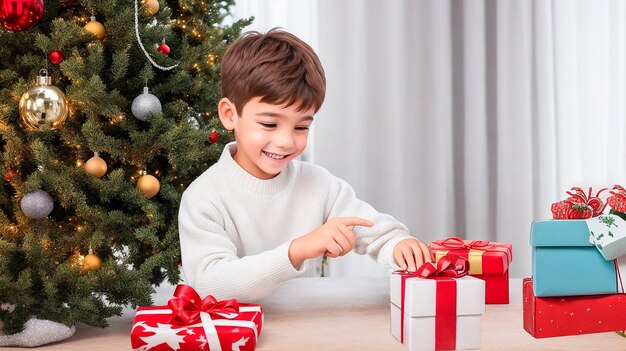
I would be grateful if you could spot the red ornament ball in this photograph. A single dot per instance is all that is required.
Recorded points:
(56, 57)
(9, 175)
(213, 136)
(20, 15)
(164, 48)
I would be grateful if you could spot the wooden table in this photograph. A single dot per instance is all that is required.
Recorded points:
(346, 314)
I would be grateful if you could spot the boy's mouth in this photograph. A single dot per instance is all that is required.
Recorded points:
(274, 156)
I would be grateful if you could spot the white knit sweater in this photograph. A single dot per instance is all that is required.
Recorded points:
(235, 229)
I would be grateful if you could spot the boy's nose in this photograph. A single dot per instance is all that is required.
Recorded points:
(284, 140)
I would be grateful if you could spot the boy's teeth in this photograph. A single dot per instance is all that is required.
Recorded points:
(274, 156)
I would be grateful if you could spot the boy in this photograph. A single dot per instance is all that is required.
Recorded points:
(257, 217)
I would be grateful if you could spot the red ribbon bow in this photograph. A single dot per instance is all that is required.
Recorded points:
(456, 243)
(187, 305)
(452, 266)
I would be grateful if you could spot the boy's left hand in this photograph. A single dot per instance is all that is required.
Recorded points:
(411, 253)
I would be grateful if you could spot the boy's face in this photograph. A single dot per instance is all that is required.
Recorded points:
(268, 136)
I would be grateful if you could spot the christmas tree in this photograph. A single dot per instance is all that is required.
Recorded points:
(107, 113)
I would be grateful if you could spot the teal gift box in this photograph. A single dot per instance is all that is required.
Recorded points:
(566, 264)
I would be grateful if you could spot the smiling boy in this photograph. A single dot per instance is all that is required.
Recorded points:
(258, 217)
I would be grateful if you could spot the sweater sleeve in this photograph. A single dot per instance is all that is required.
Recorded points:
(377, 241)
(210, 261)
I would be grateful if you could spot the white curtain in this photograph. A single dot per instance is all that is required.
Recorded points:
(468, 117)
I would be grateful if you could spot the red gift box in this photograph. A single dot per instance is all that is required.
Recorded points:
(489, 261)
(191, 323)
(546, 317)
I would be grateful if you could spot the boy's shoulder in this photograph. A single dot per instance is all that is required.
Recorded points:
(315, 173)
(305, 168)
(207, 182)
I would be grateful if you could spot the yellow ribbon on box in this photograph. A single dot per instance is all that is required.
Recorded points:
(475, 258)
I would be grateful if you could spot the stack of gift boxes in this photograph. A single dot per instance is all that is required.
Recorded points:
(440, 306)
(578, 262)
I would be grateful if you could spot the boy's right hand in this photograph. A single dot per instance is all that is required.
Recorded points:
(334, 238)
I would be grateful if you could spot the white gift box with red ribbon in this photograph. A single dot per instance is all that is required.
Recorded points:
(423, 321)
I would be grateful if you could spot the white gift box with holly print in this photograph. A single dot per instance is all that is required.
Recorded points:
(608, 234)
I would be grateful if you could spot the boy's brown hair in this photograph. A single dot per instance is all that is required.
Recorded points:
(276, 66)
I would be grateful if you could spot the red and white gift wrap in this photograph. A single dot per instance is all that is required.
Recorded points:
(546, 317)
(192, 323)
(488, 261)
(439, 312)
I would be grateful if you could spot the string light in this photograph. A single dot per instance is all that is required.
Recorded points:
(164, 68)
(211, 58)
(140, 172)
(77, 260)
(118, 118)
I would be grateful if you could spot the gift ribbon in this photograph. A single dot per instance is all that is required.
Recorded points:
(475, 250)
(445, 310)
(456, 243)
(188, 308)
(618, 278)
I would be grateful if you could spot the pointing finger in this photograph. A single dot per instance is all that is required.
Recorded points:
(354, 221)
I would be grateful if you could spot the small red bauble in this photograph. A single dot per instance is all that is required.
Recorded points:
(56, 57)
(20, 15)
(9, 175)
(213, 136)
(164, 48)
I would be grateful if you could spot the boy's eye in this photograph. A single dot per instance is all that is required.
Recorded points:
(268, 125)
(302, 128)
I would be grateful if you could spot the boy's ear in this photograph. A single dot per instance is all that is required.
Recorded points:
(228, 113)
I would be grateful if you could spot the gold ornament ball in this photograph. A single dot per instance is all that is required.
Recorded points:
(92, 262)
(152, 6)
(148, 185)
(96, 28)
(43, 104)
(96, 166)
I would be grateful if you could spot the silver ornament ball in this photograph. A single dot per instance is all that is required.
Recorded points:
(37, 204)
(145, 105)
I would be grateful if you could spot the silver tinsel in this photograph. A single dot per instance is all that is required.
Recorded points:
(37, 204)
(144, 105)
(38, 332)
